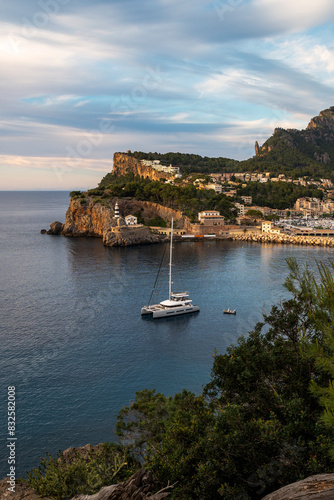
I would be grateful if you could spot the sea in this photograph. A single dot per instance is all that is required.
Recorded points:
(73, 342)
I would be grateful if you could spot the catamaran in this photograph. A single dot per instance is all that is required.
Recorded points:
(177, 303)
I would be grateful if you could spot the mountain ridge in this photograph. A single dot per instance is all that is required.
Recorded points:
(297, 153)
(310, 146)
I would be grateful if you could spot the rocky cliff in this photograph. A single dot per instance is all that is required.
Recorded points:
(149, 210)
(88, 217)
(125, 164)
(313, 144)
(85, 217)
(323, 122)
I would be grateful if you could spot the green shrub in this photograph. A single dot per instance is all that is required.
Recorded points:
(75, 193)
(61, 478)
(95, 192)
(156, 221)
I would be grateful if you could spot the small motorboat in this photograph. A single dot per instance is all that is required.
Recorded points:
(229, 311)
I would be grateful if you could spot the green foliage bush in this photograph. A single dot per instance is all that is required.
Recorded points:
(75, 193)
(62, 479)
(156, 221)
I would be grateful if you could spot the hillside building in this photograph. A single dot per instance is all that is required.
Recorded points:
(211, 218)
(240, 208)
(216, 187)
(247, 200)
(161, 168)
(268, 227)
(131, 220)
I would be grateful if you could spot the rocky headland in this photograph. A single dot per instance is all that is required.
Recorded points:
(87, 217)
(124, 164)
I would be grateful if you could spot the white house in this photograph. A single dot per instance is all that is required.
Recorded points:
(216, 187)
(208, 213)
(130, 220)
(268, 227)
(211, 218)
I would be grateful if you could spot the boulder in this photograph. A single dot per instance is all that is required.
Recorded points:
(56, 227)
(140, 486)
(70, 454)
(319, 487)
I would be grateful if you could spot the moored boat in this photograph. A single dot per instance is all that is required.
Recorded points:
(229, 311)
(177, 303)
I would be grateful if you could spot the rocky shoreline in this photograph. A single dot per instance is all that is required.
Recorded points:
(86, 218)
(284, 239)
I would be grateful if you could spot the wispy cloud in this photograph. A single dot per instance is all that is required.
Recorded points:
(201, 77)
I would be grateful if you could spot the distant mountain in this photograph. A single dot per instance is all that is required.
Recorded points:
(306, 152)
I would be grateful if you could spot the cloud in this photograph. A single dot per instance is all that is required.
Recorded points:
(199, 77)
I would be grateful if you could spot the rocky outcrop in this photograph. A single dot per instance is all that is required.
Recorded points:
(22, 492)
(70, 454)
(56, 227)
(324, 121)
(283, 239)
(86, 217)
(319, 487)
(126, 235)
(140, 486)
(124, 164)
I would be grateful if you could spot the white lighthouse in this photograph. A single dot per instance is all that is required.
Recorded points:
(116, 211)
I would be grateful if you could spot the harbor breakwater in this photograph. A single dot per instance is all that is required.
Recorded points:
(285, 239)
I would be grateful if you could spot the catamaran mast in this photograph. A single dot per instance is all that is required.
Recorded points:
(170, 261)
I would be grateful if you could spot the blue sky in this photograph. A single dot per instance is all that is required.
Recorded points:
(82, 80)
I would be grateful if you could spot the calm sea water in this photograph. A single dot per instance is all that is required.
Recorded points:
(72, 338)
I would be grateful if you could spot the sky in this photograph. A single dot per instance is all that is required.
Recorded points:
(84, 79)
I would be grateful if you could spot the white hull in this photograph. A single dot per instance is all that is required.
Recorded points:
(177, 303)
(158, 311)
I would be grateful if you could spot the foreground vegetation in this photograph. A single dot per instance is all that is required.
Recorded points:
(64, 477)
(264, 420)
